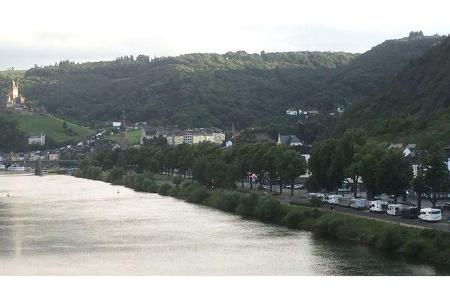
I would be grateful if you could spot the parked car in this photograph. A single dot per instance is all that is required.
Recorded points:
(296, 186)
(430, 214)
(410, 212)
(378, 206)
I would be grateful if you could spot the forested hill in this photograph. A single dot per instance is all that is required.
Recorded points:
(200, 90)
(414, 107)
(188, 90)
(370, 71)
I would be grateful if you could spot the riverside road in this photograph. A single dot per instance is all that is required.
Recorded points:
(301, 196)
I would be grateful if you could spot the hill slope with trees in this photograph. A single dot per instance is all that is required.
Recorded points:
(200, 90)
(414, 107)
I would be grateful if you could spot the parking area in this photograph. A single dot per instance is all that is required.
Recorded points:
(301, 196)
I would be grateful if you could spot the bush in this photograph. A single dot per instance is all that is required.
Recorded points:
(268, 209)
(230, 201)
(247, 205)
(164, 189)
(390, 239)
(116, 175)
(293, 218)
(177, 180)
(414, 248)
(315, 202)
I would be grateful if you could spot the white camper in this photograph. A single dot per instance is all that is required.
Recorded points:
(395, 209)
(378, 206)
(318, 195)
(332, 199)
(430, 214)
(358, 203)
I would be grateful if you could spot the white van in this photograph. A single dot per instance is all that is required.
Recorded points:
(378, 206)
(430, 214)
(358, 203)
(395, 209)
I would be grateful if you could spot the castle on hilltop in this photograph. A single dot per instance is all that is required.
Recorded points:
(13, 100)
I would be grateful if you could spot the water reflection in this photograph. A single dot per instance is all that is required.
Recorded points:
(64, 225)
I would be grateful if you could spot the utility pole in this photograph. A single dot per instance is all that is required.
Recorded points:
(123, 133)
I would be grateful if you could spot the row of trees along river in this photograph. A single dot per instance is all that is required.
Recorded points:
(353, 156)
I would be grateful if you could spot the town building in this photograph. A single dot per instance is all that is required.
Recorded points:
(189, 136)
(289, 140)
(36, 139)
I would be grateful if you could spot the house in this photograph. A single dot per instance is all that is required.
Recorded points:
(289, 140)
(291, 112)
(447, 153)
(36, 139)
(116, 124)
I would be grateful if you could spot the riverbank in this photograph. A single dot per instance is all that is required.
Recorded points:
(424, 244)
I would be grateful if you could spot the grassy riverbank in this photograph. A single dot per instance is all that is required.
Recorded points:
(424, 244)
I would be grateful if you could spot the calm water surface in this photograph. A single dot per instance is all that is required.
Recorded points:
(60, 225)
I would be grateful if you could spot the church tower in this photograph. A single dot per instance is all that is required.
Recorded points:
(14, 90)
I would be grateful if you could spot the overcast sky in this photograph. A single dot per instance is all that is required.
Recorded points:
(46, 31)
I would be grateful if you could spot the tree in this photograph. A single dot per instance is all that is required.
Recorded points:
(289, 166)
(433, 176)
(11, 138)
(394, 173)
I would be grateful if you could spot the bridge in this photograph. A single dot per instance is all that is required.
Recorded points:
(40, 164)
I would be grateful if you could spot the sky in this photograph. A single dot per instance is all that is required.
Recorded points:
(47, 31)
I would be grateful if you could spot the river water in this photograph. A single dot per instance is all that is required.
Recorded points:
(61, 225)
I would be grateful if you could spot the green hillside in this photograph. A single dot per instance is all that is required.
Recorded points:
(51, 126)
(194, 90)
(414, 107)
(133, 136)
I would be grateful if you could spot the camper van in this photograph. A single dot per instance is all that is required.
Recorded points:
(430, 214)
(395, 209)
(343, 201)
(319, 196)
(358, 203)
(409, 212)
(332, 199)
(378, 206)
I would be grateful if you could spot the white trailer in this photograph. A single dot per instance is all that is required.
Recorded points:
(378, 206)
(430, 214)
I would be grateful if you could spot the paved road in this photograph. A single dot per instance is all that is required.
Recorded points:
(301, 196)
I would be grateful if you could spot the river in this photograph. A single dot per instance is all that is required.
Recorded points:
(61, 225)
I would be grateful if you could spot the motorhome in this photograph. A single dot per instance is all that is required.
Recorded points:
(318, 195)
(409, 212)
(378, 206)
(332, 199)
(16, 168)
(358, 203)
(395, 209)
(430, 214)
(343, 201)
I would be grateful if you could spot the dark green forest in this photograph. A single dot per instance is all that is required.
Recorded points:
(413, 107)
(215, 90)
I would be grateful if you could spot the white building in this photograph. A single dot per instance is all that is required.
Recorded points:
(36, 139)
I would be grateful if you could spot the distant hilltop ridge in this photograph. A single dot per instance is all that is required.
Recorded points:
(215, 90)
